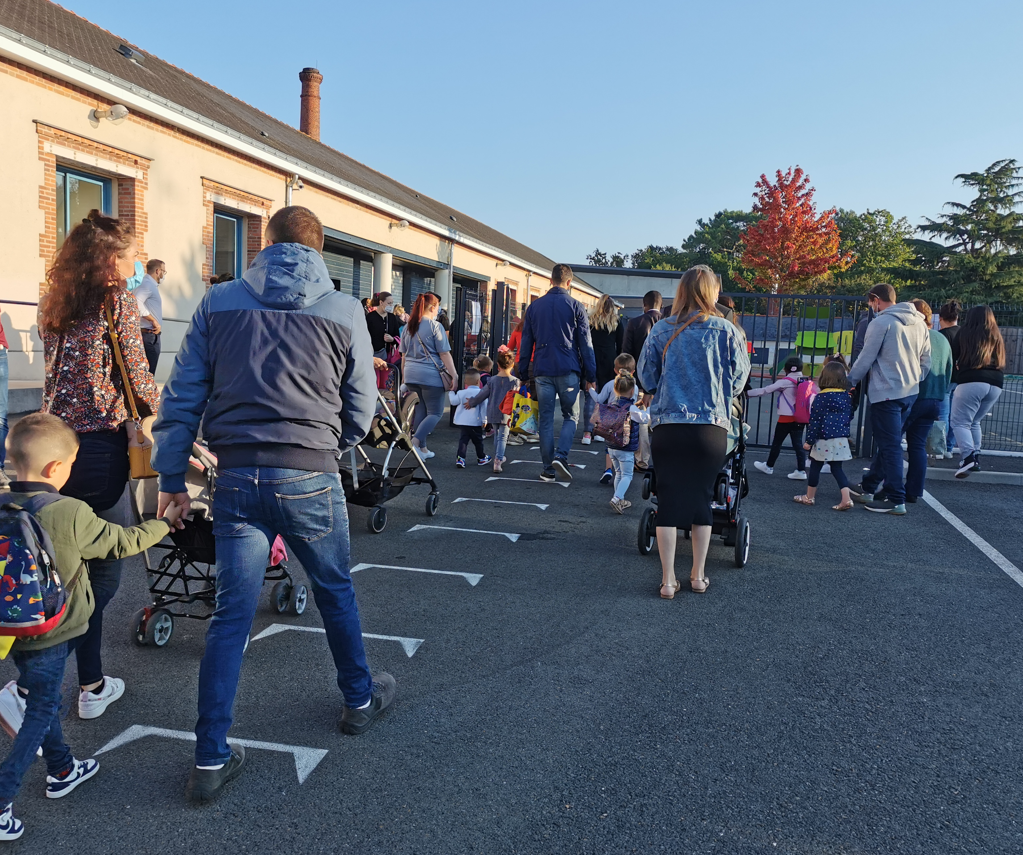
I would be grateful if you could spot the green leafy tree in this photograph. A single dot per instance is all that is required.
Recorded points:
(880, 244)
(717, 242)
(660, 258)
(982, 239)
(601, 259)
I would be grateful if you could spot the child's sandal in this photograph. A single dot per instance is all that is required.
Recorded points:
(843, 506)
(802, 500)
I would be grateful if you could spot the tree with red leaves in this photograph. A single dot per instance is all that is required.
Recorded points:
(792, 248)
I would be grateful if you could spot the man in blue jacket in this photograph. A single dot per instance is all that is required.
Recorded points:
(278, 365)
(556, 334)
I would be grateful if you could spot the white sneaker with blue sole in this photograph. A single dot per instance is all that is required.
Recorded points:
(81, 771)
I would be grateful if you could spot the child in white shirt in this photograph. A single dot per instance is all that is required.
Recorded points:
(469, 420)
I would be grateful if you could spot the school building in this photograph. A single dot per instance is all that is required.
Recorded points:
(93, 121)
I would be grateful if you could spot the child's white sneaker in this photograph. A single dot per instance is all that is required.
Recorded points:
(798, 475)
(10, 828)
(12, 709)
(763, 467)
(826, 469)
(91, 705)
(587, 439)
(80, 772)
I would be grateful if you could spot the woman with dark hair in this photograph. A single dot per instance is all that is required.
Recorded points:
(426, 367)
(697, 363)
(948, 326)
(383, 325)
(85, 387)
(979, 356)
(608, 334)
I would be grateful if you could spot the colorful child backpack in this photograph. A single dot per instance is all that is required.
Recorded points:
(32, 597)
(613, 422)
(806, 391)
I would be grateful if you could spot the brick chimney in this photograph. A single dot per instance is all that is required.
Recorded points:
(310, 119)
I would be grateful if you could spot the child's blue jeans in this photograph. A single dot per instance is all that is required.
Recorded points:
(41, 675)
(501, 441)
(623, 463)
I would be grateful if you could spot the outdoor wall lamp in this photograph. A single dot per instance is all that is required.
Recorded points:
(401, 225)
(116, 114)
(293, 183)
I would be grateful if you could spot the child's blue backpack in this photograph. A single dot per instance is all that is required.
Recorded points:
(32, 598)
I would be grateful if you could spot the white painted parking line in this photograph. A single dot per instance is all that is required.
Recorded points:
(472, 578)
(574, 450)
(1003, 563)
(509, 535)
(409, 645)
(306, 759)
(533, 463)
(527, 480)
(502, 502)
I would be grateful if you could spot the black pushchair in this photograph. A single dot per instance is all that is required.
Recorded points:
(368, 483)
(730, 489)
(185, 575)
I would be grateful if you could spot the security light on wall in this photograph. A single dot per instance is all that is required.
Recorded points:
(401, 225)
(504, 264)
(116, 114)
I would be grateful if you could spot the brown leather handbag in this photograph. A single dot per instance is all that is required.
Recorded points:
(139, 459)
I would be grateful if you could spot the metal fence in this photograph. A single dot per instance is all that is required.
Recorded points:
(813, 327)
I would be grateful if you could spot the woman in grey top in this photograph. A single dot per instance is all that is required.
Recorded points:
(426, 366)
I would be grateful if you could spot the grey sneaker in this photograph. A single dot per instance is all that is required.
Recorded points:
(860, 495)
(621, 505)
(354, 722)
(204, 785)
(561, 467)
(886, 506)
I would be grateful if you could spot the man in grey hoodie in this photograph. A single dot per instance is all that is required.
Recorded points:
(897, 354)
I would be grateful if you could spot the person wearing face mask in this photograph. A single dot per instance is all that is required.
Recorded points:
(383, 325)
(85, 387)
(151, 309)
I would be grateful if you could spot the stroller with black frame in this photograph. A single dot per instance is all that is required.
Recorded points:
(185, 575)
(371, 483)
(730, 489)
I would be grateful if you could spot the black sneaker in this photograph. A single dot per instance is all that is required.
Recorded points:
(911, 499)
(608, 476)
(354, 722)
(860, 494)
(204, 785)
(561, 467)
(548, 476)
(967, 465)
(886, 507)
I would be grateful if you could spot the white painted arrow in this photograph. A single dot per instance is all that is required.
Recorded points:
(409, 645)
(306, 759)
(472, 578)
(527, 480)
(510, 535)
(502, 502)
(574, 450)
(533, 463)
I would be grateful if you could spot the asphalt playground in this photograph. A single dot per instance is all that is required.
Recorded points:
(854, 689)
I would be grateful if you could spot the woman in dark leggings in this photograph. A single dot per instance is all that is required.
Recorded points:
(84, 387)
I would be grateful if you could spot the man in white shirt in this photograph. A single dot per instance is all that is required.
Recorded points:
(151, 310)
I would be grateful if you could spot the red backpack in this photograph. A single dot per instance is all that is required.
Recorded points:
(806, 391)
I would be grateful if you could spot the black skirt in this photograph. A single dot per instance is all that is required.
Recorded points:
(687, 459)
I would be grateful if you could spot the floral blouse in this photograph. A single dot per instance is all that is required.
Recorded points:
(83, 383)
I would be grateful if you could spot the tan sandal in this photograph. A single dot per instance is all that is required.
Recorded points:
(671, 589)
(802, 500)
(844, 506)
(699, 586)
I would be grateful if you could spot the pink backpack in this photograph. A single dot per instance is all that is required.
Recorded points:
(806, 391)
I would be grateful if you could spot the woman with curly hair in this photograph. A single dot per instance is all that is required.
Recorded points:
(85, 388)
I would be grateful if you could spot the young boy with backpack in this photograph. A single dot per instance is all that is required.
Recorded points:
(796, 394)
(617, 422)
(46, 600)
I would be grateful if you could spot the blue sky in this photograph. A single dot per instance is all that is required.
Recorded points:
(572, 125)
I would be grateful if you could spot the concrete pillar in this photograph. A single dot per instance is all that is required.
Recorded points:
(382, 278)
(442, 285)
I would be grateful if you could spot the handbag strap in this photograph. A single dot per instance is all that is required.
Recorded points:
(125, 381)
(440, 368)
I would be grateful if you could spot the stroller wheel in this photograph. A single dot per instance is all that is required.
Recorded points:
(377, 519)
(741, 541)
(647, 531)
(280, 595)
(721, 489)
(298, 599)
(159, 628)
(647, 485)
(431, 505)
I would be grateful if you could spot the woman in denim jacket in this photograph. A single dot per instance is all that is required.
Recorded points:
(697, 363)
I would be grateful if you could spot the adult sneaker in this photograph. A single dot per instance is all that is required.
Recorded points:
(798, 475)
(763, 467)
(532, 438)
(12, 709)
(886, 506)
(608, 476)
(204, 785)
(498, 469)
(967, 465)
(354, 722)
(860, 495)
(620, 505)
(10, 828)
(514, 440)
(91, 705)
(561, 467)
(80, 772)
(548, 476)
(599, 438)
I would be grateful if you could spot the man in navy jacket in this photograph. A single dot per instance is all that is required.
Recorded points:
(556, 334)
(278, 365)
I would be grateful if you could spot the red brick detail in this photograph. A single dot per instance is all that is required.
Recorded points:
(309, 120)
(255, 224)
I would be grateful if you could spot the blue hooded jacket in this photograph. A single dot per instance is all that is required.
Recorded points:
(278, 365)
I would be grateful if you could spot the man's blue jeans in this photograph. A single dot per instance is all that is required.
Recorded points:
(888, 420)
(566, 389)
(924, 413)
(41, 673)
(250, 506)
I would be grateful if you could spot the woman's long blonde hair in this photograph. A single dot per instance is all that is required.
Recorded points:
(697, 292)
(604, 315)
